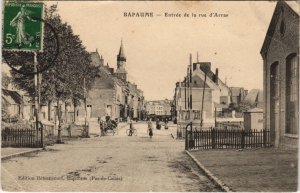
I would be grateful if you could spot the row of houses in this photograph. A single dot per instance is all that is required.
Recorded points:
(203, 91)
(111, 95)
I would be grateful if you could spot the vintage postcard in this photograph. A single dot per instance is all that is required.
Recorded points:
(150, 96)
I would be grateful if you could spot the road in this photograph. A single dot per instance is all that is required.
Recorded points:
(110, 163)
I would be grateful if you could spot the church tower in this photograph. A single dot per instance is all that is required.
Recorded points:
(121, 72)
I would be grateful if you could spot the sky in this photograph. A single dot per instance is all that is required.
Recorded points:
(158, 48)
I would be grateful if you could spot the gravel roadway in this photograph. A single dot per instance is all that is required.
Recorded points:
(109, 163)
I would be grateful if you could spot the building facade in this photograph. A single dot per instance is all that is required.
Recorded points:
(159, 107)
(280, 53)
(203, 85)
(111, 94)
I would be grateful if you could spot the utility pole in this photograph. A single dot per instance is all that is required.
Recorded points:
(85, 107)
(191, 90)
(37, 99)
(185, 85)
(215, 117)
(188, 92)
(201, 122)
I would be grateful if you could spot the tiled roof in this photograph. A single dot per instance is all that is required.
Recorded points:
(253, 95)
(235, 91)
(13, 97)
(255, 110)
(95, 57)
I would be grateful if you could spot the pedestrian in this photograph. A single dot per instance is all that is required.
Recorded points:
(130, 128)
(150, 131)
(128, 120)
(157, 124)
(166, 124)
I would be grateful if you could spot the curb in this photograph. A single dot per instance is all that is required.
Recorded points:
(210, 175)
(20, 154)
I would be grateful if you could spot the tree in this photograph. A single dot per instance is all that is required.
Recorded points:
(63, 80)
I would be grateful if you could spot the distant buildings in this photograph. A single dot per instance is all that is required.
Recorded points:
(280, 53)
(158, 107)
(237, 94)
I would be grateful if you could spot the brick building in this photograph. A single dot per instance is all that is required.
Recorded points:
(280, 53)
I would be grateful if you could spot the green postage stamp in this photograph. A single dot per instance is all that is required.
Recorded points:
(23, 26)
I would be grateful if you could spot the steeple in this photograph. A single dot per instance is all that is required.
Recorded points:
(121, 72)
(121, 55)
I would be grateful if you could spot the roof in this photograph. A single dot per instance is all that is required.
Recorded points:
(255, 95)
(96, 59)
(255, 110)
(121, 51)
(235, 91)
(12, 97)
(292, 6)
(159, 102)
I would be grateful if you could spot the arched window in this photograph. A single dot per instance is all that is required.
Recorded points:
(274, 96)
(274, 81)
(292, 84)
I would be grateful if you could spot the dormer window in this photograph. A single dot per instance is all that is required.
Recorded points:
(282, 28)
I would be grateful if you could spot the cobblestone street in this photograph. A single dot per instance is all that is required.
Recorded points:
(110, 163)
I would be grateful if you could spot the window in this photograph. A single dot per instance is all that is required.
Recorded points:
(282, 28)
(275, 81)
(274, 96)
(196, 115)
(292, 94)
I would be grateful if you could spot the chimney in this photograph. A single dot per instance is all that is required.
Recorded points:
(205, 66)
(194, 66)
(217, 76)
(101, 61)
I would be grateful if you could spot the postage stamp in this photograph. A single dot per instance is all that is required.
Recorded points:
(22, 26)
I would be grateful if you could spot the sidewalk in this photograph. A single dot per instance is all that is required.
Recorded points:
(253, 170)
(10, 152)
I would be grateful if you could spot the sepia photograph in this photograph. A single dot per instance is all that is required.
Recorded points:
(149, 96)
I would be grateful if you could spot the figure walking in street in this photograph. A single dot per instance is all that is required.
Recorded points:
(158, 123)
(130, 127)
(166, 123)
(150, 130)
